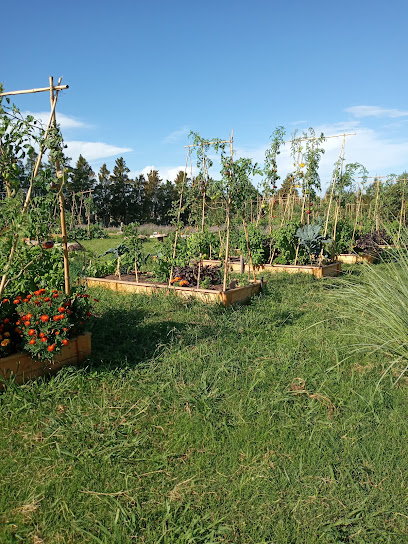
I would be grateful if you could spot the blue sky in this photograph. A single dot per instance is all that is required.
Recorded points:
(143, 74)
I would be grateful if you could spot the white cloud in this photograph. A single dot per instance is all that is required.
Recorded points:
(65, 121)
(93, 150)
(165, 172)
(176, 135)
(379, 154)
(375, 111)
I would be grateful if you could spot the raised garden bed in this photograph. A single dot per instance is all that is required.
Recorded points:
(21, 367)
(216, 294)
(326, 270)
(353, 258)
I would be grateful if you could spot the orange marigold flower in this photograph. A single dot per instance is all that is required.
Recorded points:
(55, 295)
(42, 335)
(16, 301)
(5, 300)
(7, 320)
(51, 348)
(56, 317)
(32, 341)
(183, 282)
(61, 309)
(27, 323)
(25, 299)
(47, 299)
(5, 342)
(31, 332)
(42, 291)
(45, 318)
(44, 339)
(65, 342)
(6, 334)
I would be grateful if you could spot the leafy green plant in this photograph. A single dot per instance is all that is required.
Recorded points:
(310, 238)
(285, 243)
(258, 243)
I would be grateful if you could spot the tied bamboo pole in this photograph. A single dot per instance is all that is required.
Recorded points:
(178, 219)
(41, 89)
(61, 201)
(28, 197)
(401, 211)
(376, 209)
(228, 218)
(326, 225)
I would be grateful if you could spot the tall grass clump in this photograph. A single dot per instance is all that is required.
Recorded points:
(375, 305)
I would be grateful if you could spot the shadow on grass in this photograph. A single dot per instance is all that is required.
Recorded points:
(122, 337)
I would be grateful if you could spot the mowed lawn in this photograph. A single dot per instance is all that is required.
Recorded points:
(199, 424)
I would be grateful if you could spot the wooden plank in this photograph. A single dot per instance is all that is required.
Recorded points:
(231, 296)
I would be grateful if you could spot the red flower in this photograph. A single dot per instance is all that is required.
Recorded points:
(56, 317)
(65, 342)
(31, 332)
(44, 339)
(27, 323)
(5, 300)
(7, 320)
(16, 301)
(25, 299)
(61, 309)
(47, 299)
(51, 348)
(42, 335)
(45, 318)
(42, 291)
(32, 341)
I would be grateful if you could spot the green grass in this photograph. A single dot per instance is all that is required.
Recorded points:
(199, 424)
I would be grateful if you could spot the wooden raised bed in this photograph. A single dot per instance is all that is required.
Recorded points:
(21, 367)
(353, 258)
(325, 270)
(228, 297)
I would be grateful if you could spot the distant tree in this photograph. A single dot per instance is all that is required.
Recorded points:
(102, 195)
(82, 177)
(120, 189)
(151, 196)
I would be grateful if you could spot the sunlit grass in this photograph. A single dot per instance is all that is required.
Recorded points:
(199, 424)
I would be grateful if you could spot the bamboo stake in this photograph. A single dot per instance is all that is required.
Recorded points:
(178, 220)
(377, 198)
(29, 91)
(249, 248)
(61, 203)
(401, 211)
(228, 222)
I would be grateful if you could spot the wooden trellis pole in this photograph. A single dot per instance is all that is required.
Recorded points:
(60, 176)
(228, 218)
(33, 176)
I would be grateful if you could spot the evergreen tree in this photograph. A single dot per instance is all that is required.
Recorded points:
(120, 189)
(102, 196)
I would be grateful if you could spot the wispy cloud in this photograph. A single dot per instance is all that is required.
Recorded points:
(375, 111)
(66, 121)
(176, 135)
(93, 150)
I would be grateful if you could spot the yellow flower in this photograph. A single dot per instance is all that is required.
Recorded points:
(5, 342)
(302, 165)
(6, 334)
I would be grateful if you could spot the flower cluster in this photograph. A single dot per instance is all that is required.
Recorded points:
(42, 322)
